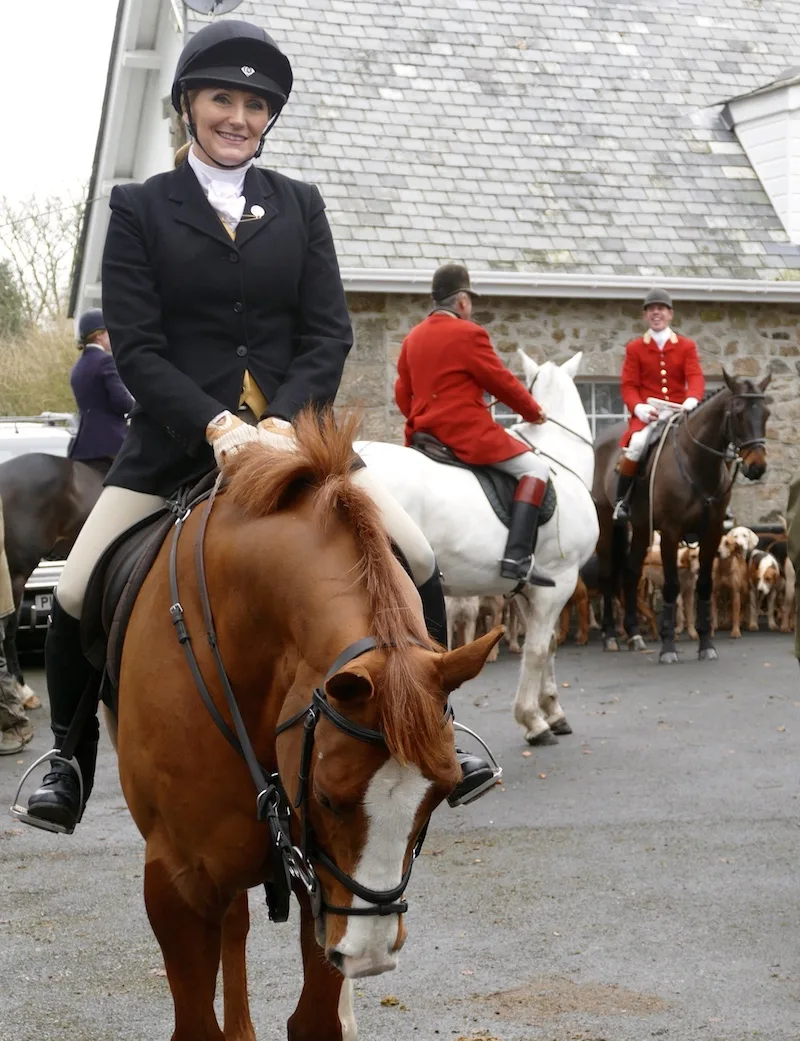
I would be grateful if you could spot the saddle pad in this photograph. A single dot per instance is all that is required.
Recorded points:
(498, 487)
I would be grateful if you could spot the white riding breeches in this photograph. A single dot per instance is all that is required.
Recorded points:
(635, 446)
(527, 464)
(119, 508)
(114, 511)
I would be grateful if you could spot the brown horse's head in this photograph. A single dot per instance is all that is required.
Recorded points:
(369, 804)
(364, 803)
(748, 414)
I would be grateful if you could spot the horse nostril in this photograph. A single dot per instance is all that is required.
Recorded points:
(336, 958)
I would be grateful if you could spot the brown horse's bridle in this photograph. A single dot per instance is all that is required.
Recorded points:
(294, 863)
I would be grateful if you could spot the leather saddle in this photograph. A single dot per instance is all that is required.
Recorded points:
(499, 488)
(118, 577)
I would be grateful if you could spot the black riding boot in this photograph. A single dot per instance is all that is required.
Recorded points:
(477, 776)
(622, 512)
(57, 800)
(522, 533)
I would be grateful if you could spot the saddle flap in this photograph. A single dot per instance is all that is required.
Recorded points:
(110, 579)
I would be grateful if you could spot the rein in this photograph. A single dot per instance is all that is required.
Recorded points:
(272, 803)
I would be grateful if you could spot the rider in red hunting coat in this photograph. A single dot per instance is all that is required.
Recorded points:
(660, 365)
(446, 365)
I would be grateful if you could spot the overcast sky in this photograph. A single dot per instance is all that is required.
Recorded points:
(53, 62)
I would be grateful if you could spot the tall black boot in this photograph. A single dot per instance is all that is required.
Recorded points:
(477, 776)
(522, 533)
(58, 800)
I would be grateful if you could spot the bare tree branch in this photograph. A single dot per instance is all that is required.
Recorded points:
(40, 237)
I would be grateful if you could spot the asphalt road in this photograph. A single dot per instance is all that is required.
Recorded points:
(640, 880)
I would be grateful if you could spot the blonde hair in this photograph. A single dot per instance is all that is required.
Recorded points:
(182, 152)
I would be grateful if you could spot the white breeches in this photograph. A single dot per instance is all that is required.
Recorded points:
(528, 464)
(114, 511)
(636, 445)
(119, 508)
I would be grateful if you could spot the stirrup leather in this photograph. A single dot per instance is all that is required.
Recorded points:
(20, 812)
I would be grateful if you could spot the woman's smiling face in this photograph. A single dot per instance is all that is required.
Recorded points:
(229, 124)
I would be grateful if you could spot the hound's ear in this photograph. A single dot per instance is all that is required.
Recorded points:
(529, 366)
(765, 382)
(464, 663)
(572, 365)
(730, 381)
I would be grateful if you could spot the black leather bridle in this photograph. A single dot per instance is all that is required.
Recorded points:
(725, 484)
(291, 863)
(761, 442)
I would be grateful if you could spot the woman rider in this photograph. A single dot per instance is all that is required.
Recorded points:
(222, 295)
(102, 398)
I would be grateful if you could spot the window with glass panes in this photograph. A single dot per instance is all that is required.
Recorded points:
(602, 401)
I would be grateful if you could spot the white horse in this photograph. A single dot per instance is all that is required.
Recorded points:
(468, 539)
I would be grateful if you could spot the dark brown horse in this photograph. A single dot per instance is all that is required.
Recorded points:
(46, 500)
(691, 491)
(322, 637)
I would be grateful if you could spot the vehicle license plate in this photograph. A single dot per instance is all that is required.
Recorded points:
(43, 601)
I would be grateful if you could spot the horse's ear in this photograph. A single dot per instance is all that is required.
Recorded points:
(529, 366)
(730, 381)
(572, 365)
(765, 382)
(349, 683)
(456, 667)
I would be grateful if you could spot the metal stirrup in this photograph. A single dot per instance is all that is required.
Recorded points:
(496, 767)
(20, 812)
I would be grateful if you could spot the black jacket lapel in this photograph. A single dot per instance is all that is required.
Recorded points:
(258, 193)
(192, 207)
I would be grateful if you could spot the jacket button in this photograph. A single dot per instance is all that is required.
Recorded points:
(238, 307)
(241, 350)
(233, 257)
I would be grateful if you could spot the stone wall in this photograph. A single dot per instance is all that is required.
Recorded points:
(748, 339)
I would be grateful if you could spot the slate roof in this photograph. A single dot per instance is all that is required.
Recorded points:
(534, 136)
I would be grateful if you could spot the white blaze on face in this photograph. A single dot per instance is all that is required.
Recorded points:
(391, 802)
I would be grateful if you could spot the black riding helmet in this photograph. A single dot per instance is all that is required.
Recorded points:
(229, 53)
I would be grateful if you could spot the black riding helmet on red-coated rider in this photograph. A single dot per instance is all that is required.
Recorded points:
(229, 53)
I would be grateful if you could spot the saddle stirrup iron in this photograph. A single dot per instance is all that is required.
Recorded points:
(20, 812)
(462, 795)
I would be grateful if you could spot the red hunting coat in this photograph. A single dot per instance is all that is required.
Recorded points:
(445, 365)
(673, 374)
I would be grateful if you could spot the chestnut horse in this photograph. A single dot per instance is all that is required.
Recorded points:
(298, 569)
(691, 489)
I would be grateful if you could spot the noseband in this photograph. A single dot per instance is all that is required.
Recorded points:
(294, 863)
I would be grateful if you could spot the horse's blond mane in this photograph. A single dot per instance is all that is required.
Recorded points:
(265, 479)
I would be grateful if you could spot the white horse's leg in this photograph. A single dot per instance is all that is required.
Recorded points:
(548, 695)
(542, 614)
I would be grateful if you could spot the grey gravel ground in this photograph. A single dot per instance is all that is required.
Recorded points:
(637, 881)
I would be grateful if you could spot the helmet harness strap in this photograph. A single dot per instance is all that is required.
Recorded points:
(194, 136)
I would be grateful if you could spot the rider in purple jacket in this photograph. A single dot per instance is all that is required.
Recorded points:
(103, 399)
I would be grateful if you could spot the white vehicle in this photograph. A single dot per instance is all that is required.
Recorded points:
(50, 432)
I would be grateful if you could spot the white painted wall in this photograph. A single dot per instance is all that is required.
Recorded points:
(136, 141)
(768, 127)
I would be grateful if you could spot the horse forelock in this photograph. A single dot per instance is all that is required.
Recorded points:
(264, 479)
